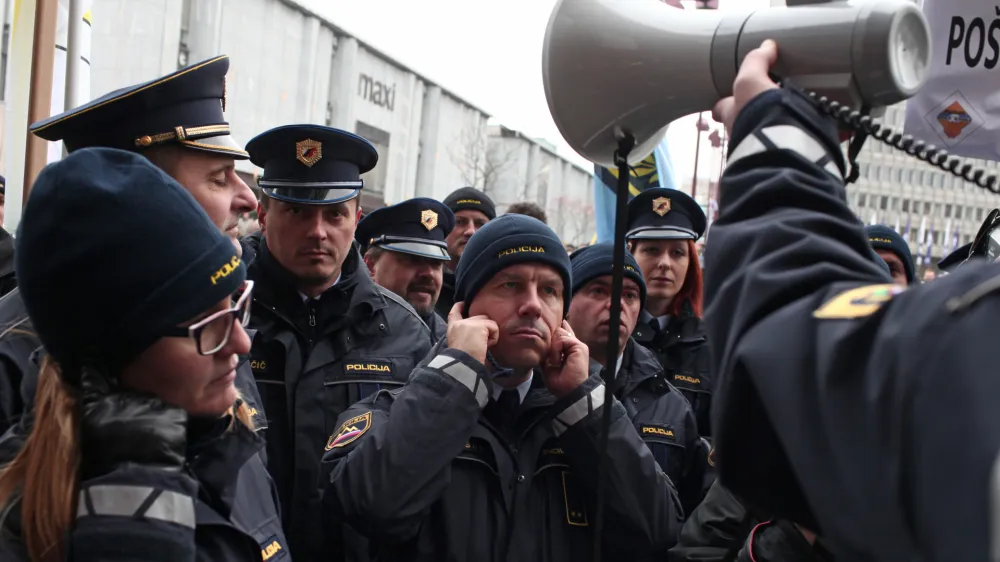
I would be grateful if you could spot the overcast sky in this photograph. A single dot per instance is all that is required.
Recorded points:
(488, 52)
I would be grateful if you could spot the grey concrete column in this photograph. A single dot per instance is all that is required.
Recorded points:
(204, 38)
(344, 83)
(307, 71)
(428, 142)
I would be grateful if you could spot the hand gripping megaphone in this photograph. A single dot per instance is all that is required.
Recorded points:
(629, 67)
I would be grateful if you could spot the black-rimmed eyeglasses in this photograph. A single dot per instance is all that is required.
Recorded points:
(212, 333)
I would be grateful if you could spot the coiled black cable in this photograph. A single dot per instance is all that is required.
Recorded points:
(917, 148)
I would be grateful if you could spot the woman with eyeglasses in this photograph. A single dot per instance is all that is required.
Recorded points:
(141, 448)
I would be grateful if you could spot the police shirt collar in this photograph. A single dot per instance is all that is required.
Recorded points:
(596, 367)
(522, 389)
(305, 297)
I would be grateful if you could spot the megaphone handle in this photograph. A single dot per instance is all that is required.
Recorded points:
(926, 152)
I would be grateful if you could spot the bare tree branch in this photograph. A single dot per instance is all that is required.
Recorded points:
(480, 164)
(575, 219)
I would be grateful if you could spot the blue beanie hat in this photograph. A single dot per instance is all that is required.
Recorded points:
(96, 291)
(882, 237)
(595, 261)
(507, 241)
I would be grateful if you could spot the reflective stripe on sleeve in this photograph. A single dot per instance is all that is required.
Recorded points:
(785, 137)
(137, 501)
(463, 374)
(578, 410)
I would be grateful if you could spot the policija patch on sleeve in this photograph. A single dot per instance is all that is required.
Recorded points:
(857, 302)
(349, 431)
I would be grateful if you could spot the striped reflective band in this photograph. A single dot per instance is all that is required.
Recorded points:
(137, 501)
(578, 410)
(463, 374)
(786, 137)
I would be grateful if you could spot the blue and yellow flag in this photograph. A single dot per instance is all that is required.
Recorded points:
(656, 170)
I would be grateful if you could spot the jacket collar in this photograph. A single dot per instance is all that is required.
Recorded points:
(217, 454)
(276, 286)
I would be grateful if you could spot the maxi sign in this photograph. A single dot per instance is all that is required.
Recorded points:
(378, 93)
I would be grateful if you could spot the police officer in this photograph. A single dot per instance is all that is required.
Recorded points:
(327, 334)
(661, 414)
(177, 122)
(141, 448)
(894, 251)
(858, 409)
(405, 251)
(490, 450)
(472, 209)
(663, 225)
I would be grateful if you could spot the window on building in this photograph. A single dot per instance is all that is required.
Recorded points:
(979, 215)
(947, 211)
(894, 203)
(862, 199)
(937, 235)
(968, 238)
(863, 170)
(940, 180)
(937, 209)
(884, 204)
(958, 211)
(929, 179)
(920, 178)
(897, 174)
(906, 205)
(927, 207)
(909, 176)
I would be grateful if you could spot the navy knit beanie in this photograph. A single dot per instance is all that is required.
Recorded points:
(882, 237)
(470, 198)
(507, 241)
(110, 252)
(595, 261)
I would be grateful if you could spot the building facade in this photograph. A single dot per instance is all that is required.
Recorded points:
(903, 192)
(291, 64)
(518, 168)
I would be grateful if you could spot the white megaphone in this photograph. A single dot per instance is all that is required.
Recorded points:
(613, 68)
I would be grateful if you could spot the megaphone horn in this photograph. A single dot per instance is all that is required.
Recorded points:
(616, 68)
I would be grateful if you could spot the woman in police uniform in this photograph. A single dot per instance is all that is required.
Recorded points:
(140, 447)
(663, 226)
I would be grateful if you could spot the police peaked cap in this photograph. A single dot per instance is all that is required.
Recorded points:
(311, 164)
(184, 108)
(664, 214)
(417, 226)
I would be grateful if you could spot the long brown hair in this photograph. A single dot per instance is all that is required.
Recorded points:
(44, 476)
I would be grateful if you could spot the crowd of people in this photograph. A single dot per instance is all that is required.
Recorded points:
(424, 381)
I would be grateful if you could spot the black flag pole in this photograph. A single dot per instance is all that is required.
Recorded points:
(625, 146)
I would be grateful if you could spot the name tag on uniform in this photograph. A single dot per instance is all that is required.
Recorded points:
(368, 368)
(658, 431)
(271, 550)
(687, 380)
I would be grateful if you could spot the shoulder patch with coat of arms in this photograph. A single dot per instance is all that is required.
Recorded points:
(349, 431)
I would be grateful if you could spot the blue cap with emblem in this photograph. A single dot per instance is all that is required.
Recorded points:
(417, 226)
(664, 214)
(311, 164)
(183, 108)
